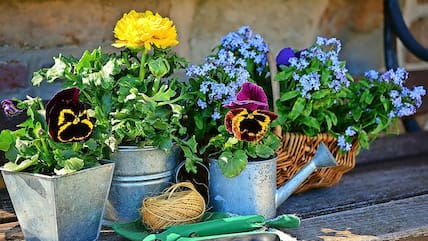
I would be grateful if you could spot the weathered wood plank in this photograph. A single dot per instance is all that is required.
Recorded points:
(11, 232)
(365, 185)
(394, 147)
(387, 221)
(6, 209)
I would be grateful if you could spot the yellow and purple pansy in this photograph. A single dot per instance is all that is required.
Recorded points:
(249, 117)
(68, 119)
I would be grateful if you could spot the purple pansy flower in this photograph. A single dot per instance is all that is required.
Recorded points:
(284, 56)
(9, 107)
(251, 97)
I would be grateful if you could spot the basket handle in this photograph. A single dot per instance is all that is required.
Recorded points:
(275, 88)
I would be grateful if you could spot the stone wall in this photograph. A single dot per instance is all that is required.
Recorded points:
(33, 31)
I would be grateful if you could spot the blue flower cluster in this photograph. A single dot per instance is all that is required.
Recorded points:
(249, 46)
(401, 100)
(341, 140)
(215, 87)
(324, 54)
(224, 73)
(319, 95)
(404, 100)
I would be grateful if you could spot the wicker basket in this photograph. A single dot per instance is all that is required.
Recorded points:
(298, 149)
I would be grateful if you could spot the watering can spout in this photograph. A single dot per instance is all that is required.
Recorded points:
(322, 158)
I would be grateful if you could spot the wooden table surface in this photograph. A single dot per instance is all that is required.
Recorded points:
(385, 197)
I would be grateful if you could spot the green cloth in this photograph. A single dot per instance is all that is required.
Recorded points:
(211, 224)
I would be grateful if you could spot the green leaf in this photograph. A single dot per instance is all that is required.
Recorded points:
(231, 141)
(159, 67)
(289, 95)
(366, 97)
(307, 110)
(324, 76)
(22, 165)
(285, 74)
(57, 70)
(356, 114)
(310, 122)
(199, 122)
(363, 139)
(320, 94)
(6, 139)
(71, 165)
(38, 77)
(91, 144)
(232, 163)
(264, 151)
(298, 108)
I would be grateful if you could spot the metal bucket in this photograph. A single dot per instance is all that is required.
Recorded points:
(139, 173)
(251, 192)
(66, 208)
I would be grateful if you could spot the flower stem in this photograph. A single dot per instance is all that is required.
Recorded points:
(156, 84)
(44, 145)
(76, 147)
(142, 64)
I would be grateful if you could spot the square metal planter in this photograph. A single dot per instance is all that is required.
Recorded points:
(66, 208)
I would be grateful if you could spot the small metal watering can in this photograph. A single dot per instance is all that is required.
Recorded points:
(254, 190)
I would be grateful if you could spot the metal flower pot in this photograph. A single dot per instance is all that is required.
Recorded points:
(139, 173)
(251, 192)
(66, 208)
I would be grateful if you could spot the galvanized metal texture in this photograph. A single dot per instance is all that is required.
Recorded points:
(139, 173)
(251, 192)
(66, 208)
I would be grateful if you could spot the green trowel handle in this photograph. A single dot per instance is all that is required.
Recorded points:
(208, 228)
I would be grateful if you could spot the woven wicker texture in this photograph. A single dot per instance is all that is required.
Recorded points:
(179, 204)
(298, 149)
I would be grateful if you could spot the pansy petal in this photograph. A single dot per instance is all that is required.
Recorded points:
(283, 57)
(251, 105)
(67, 117)
(251, 91)
(251, 96)
(9, 108)
(272, 115)
(228, 121)
(251, 126)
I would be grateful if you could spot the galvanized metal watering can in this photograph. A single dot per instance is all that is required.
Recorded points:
(254, 190)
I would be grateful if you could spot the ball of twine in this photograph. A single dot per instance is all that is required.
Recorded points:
(174, 206)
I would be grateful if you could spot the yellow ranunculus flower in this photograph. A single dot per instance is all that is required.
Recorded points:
(136, 30)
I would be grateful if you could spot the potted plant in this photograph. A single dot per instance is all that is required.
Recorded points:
(55, 175)
(138, 105)
(239, 58)
(232, 122)
(320, 101)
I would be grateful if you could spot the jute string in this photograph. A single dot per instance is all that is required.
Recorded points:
(179, 204)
